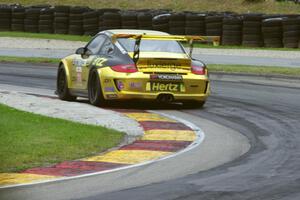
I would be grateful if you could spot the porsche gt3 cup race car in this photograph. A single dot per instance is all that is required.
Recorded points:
(134, 64)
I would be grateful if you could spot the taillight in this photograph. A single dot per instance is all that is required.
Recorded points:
(130, 68)
(199, 70)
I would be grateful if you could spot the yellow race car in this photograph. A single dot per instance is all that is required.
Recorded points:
(134, 64)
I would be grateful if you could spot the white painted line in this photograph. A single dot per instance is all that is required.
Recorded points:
(200, 137)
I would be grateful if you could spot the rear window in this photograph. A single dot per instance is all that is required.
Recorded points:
(152, 45)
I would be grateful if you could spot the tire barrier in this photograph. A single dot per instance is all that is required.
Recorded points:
(232, 30)
(109, 19)
(161, 22)
(195, 24)
(291, 32)
(129, 20)
(17, 19)
(76, 20)
(61, 19)
(46, 20)
(272, 32)
(177, 24)
(5, 18)
(252, 36)
(144, 20)
(90, 22)
(214, 25)
(251, 29)
(31, 22)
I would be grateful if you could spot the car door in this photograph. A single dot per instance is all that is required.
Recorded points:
(81, 63)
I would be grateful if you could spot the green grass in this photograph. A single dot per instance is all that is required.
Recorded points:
(258, 70)
(29, 59)
(241, 6)
(46, 36)
(29, 140)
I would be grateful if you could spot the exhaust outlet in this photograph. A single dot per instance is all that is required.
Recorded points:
(165, 98)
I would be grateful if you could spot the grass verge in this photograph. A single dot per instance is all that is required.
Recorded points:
(46, 36)
(29, 59)
(30, 140)
(258, 70)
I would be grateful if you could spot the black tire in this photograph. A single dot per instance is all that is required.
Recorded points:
(232, 27)
(111, 23)
(194, 31)
(17, 27)
(214, 26)
(250, 24)
(95, 90)
(177, 31)
(195, 24)
(214, 19)
(252, 16)
(129, 23)
(62, 85)
(177, 24)
(250, 43)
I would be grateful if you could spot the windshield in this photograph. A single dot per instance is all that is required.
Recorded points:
(152, 45)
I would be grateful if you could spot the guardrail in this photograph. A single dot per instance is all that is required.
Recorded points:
(255, 30)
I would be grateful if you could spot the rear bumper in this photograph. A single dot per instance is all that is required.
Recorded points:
(120, 86)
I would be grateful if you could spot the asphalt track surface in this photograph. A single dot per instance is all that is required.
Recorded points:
(269, 116)
(209, 59)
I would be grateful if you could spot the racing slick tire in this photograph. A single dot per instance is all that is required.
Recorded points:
(62, 85)
(95, 90)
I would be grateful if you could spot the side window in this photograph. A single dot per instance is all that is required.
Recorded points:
(96, 44)
(107, 48)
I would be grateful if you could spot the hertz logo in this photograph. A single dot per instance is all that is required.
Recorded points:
(165, 87)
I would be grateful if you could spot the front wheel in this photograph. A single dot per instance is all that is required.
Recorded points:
(62, 89)
(94, 89)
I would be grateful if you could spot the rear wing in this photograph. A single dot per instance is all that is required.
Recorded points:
(187, 38)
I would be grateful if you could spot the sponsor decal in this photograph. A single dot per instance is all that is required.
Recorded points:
(79, 78)
(135, 85)
(78, 69)
(172, 87)
(107, 80)
(172, 66)
(120, 84)
(99, 62)
(168, 77)
(109, 89)
(79, 63)
(111, 96)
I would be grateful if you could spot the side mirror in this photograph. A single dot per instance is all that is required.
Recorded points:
(80, 51)
(84, 52)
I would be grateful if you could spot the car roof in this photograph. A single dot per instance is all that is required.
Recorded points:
(135, 31)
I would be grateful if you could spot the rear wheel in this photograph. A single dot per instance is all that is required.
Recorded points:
(94, 89)
(62, 89)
